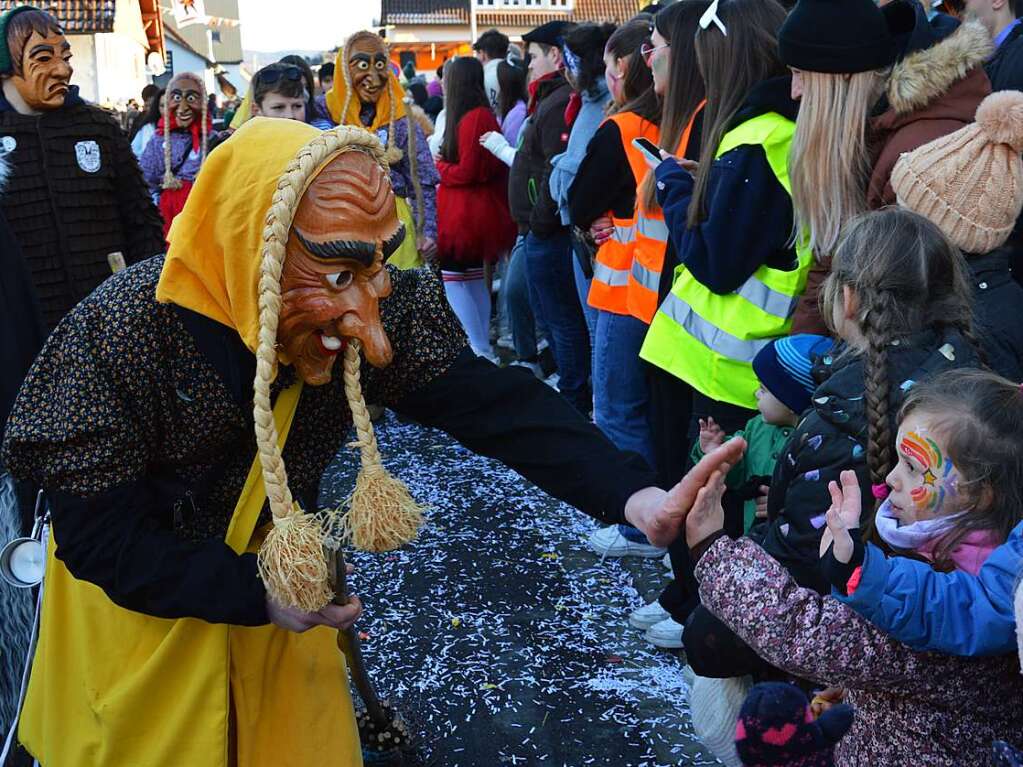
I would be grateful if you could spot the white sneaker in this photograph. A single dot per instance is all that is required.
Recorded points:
(667, 563)
(609, 542)
(506, 342)
(553, 380)
(666, 634)
(648, 615)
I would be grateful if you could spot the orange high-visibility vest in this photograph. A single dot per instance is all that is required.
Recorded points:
(651, 241)
(610, 285)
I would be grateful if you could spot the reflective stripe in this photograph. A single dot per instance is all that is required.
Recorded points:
(616, 278)
(768, 300)
(624, 234)
(648, 278)
(652, 228)
(714, 338)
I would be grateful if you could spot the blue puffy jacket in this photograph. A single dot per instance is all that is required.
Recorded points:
(954, 613)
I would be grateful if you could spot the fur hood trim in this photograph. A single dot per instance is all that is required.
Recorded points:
(925, 75)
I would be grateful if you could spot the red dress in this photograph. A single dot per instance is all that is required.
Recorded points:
(473, 222)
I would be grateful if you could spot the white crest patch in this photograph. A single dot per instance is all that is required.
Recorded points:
(9, 143)
(87, 154)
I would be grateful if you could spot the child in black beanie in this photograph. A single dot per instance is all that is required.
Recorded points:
(776, 727)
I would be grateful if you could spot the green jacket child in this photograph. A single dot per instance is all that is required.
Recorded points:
(786, 385)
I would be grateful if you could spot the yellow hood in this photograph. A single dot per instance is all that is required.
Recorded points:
(213, 262)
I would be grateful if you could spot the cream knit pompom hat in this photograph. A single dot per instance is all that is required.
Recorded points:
(969, 183)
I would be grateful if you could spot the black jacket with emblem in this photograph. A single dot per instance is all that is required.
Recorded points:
(74, 196)
(832, 438)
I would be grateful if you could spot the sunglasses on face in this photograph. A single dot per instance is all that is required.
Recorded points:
(647, 51)
(711, 17)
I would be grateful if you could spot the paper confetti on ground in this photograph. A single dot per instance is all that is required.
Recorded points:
(500, 634)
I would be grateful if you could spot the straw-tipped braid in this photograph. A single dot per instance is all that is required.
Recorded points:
(170, 181)
(381, 513)
(292, 563)
(413, 166)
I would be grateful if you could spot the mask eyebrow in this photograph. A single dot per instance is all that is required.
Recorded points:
(363, 252)
(360, 57)
(41, 48)
(393, 242)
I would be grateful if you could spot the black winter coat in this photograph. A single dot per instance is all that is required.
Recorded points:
(997, 300)
(1005, 68)
(544, 135)
(74, 196)
(832, 437)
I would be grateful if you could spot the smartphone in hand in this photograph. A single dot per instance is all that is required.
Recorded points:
(649, 149)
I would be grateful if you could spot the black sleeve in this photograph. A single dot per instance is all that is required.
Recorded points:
(552, 133)
(604, 181)
(140, 220)
(112, 541)
(508, 415)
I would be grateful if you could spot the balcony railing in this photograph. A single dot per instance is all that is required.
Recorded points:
(526, 5)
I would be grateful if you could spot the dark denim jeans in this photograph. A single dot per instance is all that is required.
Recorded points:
(519, 308)
(621, 398)
(552, 286)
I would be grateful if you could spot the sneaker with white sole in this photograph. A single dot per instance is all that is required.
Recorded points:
(532, 366)
(667, 563)
(666, 634)
(648, 615)
(609, 542)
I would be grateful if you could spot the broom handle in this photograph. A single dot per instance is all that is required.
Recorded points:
(348, 643)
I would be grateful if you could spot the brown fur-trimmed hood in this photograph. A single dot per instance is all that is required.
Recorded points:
(925, 75)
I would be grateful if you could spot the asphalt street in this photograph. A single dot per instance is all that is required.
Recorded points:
(499, 635)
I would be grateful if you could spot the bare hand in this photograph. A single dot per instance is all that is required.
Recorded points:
(708, 515)
(825, 699)
(602, 229)
(843, 515)
(427, 248)
(762, 502)
(712, 436)
(659, 514)
(335, 616)
(690, 165)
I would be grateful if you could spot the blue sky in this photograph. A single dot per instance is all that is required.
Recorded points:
(302, 24)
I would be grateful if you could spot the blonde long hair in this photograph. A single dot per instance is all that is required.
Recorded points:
(829, 164)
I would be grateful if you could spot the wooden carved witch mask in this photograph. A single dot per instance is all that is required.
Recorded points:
(368, 67)
(41, 59)
(333, 278)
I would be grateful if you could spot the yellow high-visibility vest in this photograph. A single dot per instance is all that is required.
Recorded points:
(710, 340)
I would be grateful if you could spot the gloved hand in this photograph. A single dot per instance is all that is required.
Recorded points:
(494, 141)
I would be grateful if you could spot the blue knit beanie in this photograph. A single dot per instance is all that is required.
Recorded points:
(784, 365)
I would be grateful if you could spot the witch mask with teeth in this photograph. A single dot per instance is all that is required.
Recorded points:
(333, 275)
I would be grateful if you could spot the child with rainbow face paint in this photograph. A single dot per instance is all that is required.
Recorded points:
(955, 492)
(925, 511)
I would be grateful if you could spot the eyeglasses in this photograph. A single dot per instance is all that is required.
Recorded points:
(270, 75)
(647, 51)
(711, 17)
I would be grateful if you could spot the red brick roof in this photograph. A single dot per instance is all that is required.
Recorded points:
(615, 11)
(76, 16)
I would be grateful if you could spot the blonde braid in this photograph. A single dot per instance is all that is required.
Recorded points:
(292, 562)
(202, 129)
(169, 179)
(382, 515)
